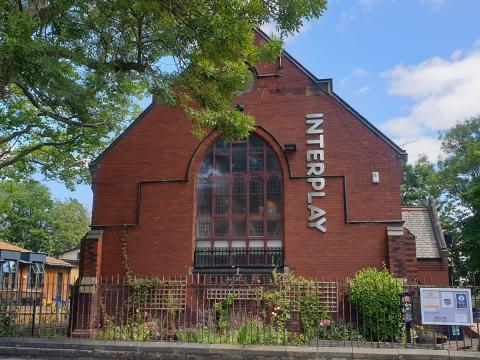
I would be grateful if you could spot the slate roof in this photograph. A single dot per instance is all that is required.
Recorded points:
(423, 223)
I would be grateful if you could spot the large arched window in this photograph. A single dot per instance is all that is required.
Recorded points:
(239, 205)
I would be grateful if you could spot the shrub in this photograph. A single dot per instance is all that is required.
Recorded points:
(7, 320)
(338, 331)
(312, 313)
(376, 295)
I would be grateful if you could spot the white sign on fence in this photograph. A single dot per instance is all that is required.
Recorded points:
(446, 306)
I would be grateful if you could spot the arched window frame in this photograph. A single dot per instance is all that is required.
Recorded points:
(264, 228)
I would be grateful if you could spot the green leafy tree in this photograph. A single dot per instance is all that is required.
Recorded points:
(70, 222)
(71, 70)
(420, 182)
(31, 219)
(460, 173)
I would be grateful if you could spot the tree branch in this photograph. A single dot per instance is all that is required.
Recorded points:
(15, 134)
(43, 111)
(28, 150)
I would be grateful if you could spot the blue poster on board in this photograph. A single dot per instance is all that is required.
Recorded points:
(461, 301)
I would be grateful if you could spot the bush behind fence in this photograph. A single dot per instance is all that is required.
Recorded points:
(370, 309)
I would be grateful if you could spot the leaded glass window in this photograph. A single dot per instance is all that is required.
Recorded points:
(239, 196)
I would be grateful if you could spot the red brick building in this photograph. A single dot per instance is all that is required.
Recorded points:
(314, 191)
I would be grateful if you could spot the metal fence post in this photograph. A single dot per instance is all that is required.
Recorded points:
(34, 314)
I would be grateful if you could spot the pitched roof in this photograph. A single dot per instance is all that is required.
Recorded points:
(402, 153)
(10, 247)
(49, 261)
(423, 223)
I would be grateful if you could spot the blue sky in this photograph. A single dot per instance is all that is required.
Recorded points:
(411, 67)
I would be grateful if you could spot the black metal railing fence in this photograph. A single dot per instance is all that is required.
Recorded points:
(237, 309)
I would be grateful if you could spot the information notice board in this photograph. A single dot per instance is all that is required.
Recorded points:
(446, 306)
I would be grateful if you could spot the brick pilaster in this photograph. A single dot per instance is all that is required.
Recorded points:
(83, 319)
(402, 256)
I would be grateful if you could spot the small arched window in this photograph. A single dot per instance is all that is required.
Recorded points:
(240, 198)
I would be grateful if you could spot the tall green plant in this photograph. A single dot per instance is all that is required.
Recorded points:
(376, 295)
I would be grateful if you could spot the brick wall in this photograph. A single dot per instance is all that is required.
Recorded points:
(402, 252)
(161, 147)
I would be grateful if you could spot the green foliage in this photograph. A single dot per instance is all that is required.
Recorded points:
(420, 182)
(312, 312)
(252, 332)
(71, 71)
(141, 329)
(222, 311)
(7, 320)
(255, 332)
(31, 219)
(460, 173)
(206, 335)
(376, 295)
(338, 331)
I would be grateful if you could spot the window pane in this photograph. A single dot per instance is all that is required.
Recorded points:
(222, 186)
(221, 205)
(239, 244)
(239, 185)
(240, 226)
(204, 226)
(221, 227)
(255, 143)
(239, 205)
(255, 244)
(239, 157)
(201, 244)
(256, 162)
(221, 146)
(206, 168)
(274, 214)
(222, 164)
(272, 161)
(256, 226)
(256, 204)
(256, 185)
(274, 184)
(204, 197)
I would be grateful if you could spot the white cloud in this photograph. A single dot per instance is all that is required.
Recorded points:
(402, 126)
(367, 4)
(456, 55)
(360, 72)
(270, 29)
(433, 4)
(442, 91)
(427, 145)
(345, 19)
(363, 90)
